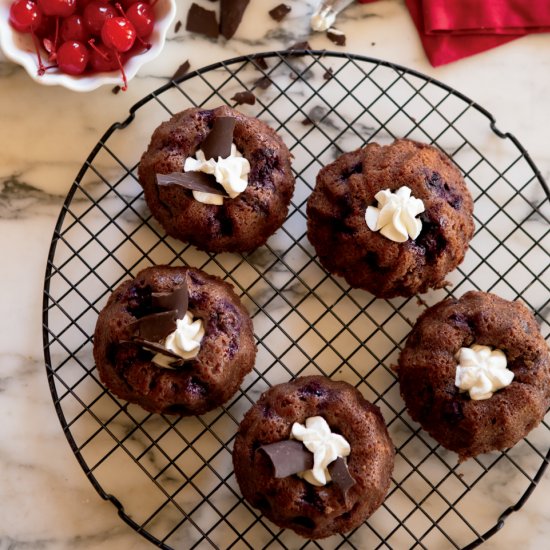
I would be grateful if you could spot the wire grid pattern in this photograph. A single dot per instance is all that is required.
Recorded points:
(171, 478)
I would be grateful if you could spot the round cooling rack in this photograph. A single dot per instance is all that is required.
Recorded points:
(171, 478)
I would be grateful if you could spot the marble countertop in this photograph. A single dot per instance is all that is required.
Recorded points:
(47, 133)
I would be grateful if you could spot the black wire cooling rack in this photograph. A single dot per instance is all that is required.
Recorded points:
(171, 478)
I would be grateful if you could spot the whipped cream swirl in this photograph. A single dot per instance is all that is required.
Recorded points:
(230, 172)
(325, 446)
(481, 371)
(395, 215)
(184, 341)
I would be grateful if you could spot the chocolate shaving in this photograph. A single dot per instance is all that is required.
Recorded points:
(260, 63)
(218, 142)
(156, 326)
(305, 45)
(159, 348)
(288, 457)
(202, 21)
(336, 36)
(182, 70)
(178, 26)
(244, 97)
(264, 82)
(340, 475)
(231, 15)
(195, 181)
(177, 300)
(328, 74)
(278, 13)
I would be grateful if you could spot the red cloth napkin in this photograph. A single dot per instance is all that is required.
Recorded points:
(453, 29)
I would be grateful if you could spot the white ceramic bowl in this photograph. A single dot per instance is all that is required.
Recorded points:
(19, 48)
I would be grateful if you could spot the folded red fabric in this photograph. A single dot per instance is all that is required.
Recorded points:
(442, 48)
(453, 29)
(486, 17)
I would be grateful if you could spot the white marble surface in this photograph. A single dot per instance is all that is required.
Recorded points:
(47, 133)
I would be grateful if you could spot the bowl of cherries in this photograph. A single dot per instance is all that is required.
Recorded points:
(83, 44)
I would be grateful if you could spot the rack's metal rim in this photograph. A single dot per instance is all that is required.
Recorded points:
(123, 124)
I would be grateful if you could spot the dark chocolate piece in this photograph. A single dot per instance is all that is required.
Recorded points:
(340, 475)
(231, 15)
(278, 13)
(159, 348)
(178, 26)
(182, 70)
(328, 74)
(218, 142)
(288, 457)
(156, 326)
(116, 89)
(260, 63)
(336, 36)
(244, 97)
(195, 181)
(264, 82)
(305, 45)
(177, 300)
(202, 21)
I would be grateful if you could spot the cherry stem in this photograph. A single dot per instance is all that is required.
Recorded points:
(41, 67)
(99, 52)
(117, 56)
(53, 53)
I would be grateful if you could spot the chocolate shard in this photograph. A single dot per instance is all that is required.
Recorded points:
(202, 21)
(159, 348)
(156, 326)
(278, 13)
(182, 70)
(263, 82)
(328, 74)
(177, 300)
(244, 97)
(218, 142)
(178, 26)
(336, 36)
(305, 45)
(195, 181)
(231, 15)
(340, 475)
(260, 63)
(288, 457)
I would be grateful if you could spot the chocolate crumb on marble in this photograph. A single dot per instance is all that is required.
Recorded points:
(231, 14)
(336, 36)
(177, 26)
(182, 70)
(202, 21)
(278, 13)
(241, 98)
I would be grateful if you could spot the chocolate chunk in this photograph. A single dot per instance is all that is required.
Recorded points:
(116, 89)
(264, 82)
(182, 70)
(336, 36)
(288, 457)
(328, 74)
(156, 326)
(231, 14)
(218, 142)
(305, 45)
(260, 63)
(340, 475)
(278, 13)
(244, 97)
(202, 21)
(195, 181)
(178, 26)
(158, 348)
(177, 300)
